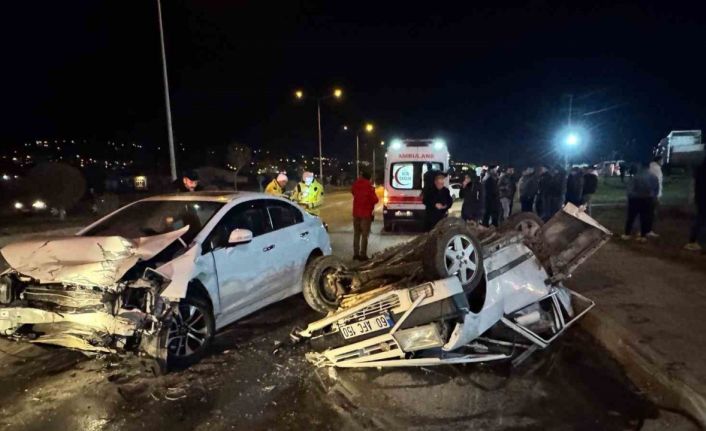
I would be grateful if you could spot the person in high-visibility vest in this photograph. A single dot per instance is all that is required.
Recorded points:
(276, 186)
(309, 193)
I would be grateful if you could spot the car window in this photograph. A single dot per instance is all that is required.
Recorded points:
(410, 175)
(283, 214)
(248, 215)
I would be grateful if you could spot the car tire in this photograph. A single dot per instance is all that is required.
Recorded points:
(191, 331)
(527, 223)
(454, 250)
(317, 292)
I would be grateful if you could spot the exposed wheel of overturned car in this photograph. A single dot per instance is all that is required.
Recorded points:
(455, 251)
(527, 223)
(320, 288)
(191, 331)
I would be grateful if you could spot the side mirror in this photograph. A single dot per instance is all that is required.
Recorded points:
(239, 236)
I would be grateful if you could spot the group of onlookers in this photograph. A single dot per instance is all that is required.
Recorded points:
(489, 199)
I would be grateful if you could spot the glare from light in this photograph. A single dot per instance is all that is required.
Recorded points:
(345, 127)
(18, 205)
(299, 94)
(369, 127)
(382, 143)
(5, 177)
(337, 93)
(396, 144)
(572, 139)
(39, 205)
(439, 144)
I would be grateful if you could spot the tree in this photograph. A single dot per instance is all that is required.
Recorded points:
(238, 156)
(60, 185)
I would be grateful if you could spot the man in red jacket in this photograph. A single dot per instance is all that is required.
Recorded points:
(364, 200)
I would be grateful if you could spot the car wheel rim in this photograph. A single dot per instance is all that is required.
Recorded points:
(188, 331)
(461, 258)
(327, 287)
(528, 228)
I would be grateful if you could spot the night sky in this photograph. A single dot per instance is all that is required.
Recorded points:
(494, 80)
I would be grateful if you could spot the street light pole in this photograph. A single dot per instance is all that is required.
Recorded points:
(321, 157)
(357, 155)
(373, 165)
(170, 134)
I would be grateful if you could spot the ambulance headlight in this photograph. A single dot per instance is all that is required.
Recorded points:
(396, 144)
(439, 144)
(419, 338)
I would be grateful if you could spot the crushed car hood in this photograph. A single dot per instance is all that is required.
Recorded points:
(98, 261)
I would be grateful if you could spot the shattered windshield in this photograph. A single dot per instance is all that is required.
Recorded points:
(149, 218)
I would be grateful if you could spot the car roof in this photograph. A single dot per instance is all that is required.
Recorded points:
(208, 196)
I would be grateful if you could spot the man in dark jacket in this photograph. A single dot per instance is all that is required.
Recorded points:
(554, 193)
(642, 192)
(473, 198)
(437, 201)
(189, 182)
(590, 187)
(574, 187)
(529, 184)
(506, 191)
(492, 197)
(700, 201)
(364, 200)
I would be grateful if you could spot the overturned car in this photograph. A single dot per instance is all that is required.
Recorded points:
(461, 293)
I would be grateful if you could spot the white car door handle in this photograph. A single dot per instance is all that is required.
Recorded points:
(304, 234)
(268, 248)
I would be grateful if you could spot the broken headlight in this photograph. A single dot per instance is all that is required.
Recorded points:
(7, 293)
(419, 338)
(425, 290)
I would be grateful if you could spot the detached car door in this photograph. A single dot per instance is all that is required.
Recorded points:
(243, 270)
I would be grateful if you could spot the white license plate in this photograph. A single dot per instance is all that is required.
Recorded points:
(364, 326)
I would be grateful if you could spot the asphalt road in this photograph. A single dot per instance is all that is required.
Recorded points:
(254, 379)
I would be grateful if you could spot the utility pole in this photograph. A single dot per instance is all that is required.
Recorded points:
(321, 157)
(373, 166)
(566, 151)
(170, 134)
(357, 155)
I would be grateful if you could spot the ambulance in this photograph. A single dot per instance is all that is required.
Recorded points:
(406, 162)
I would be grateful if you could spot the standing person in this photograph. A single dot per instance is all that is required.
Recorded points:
(364, 200)
(506, 191)
(656, 170)
(641, 192)
(556, 191)
(473, 198)
(574, 187)
(623, 167)
(428, 178)
(700, 200)
(437, 201)
(544, 177)
(529, 185)
(277, 185)
(309, 194)
(491, 213)
(189, 182)
(590, 187)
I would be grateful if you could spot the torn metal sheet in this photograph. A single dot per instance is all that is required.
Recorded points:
(84, 260)
(520, 300)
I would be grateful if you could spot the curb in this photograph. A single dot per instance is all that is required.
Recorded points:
(649, 370)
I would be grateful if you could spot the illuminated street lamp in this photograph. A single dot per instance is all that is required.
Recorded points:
(337, 94)
(367, 128)
(570, 140)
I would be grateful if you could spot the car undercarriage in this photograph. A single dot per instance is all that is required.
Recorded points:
(458, 294)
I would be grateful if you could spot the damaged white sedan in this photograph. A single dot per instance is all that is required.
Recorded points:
(160, 275)
(459, 294)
